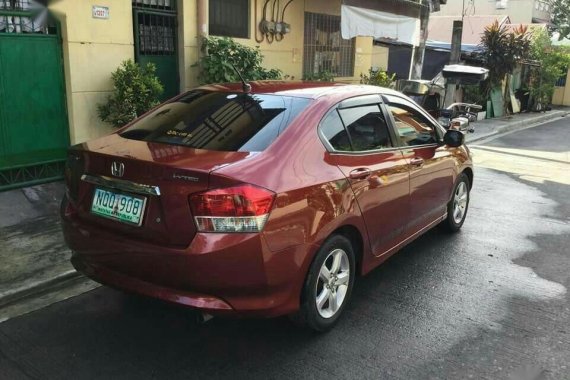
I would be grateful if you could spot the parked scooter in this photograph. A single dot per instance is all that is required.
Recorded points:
(459, 116)
(432, 95)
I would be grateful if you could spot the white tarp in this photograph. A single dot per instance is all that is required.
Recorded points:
(357, 21)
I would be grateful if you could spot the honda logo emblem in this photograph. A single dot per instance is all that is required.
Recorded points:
(117, 169)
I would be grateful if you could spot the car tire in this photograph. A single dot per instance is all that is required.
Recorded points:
(458, 205)
(324, 299)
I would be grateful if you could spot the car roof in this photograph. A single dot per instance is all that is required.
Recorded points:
(304, 89)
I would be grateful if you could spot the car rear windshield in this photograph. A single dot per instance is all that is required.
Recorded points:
(219, 121)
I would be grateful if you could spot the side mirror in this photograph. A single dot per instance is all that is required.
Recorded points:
(453, 138)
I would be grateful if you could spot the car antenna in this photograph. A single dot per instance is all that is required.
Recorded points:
(246, 87)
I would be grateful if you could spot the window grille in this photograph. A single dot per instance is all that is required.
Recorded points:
(324, 48)
(157, 34)
(165, 5)
(26, 16)
(21, 5)
(229, 18)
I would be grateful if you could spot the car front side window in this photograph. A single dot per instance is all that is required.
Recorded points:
(356, 129)
(412, 127)
(366, 127)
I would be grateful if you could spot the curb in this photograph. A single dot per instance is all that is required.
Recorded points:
(520, 124)
(36, 288)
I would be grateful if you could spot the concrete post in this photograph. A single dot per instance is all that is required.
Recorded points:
(419, 51)
(455, 57)
(202, 20)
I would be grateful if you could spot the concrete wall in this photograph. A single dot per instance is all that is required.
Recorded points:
(519, 11)
(92, 49)
(379, 57)
(286, 55)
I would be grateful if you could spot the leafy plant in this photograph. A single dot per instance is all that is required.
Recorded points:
(136, 90)
(475, 95)
(377, 78)
(501, 52)
(554, 62)
(560, 18)
(223, 52)
(321, 76)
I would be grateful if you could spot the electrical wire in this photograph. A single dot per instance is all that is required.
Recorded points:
(284, 8)
(260, 40)
(273, 11)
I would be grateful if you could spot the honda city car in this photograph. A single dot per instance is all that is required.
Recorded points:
(264, 199)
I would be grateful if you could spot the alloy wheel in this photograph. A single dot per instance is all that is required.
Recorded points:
(460, 202)
(332, 283)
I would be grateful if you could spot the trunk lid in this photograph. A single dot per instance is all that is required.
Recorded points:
(171, 172)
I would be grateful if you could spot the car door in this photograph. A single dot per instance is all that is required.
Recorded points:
(430, 162)
(360, 142)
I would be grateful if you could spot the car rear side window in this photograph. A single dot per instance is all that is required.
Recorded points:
(356, 129)
(219, 121)
(333, 130)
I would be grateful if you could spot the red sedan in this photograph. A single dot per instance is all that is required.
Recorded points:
(262, 201)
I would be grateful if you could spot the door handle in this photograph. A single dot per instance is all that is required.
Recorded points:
(360, 173)
(416, 161)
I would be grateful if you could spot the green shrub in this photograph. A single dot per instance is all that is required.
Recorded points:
(554, 62)
(321, 76)
(136, 90)
(223, 52)
(475, 94)
(377, 78)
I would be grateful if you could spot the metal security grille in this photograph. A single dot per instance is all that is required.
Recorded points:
(34, 134)
(156, 34)
(165, 5)
(31, 175)
(324, 48)
(25, 16)
(229, 18)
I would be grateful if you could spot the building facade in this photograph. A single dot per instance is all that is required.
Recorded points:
(519, 11)
(80, 43)
(166, 32)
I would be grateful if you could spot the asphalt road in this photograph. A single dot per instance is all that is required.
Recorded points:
(489, 302)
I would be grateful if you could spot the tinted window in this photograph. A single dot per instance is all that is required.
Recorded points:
(356, 129)
(412, 127)
(366, 127)
(333, 130)
(219, 121)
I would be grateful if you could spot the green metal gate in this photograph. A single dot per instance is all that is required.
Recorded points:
(155, 32)
(34, 133)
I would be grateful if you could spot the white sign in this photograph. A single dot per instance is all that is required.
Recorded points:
(100, 12)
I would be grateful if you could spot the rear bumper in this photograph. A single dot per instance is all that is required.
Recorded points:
(218, 273)
(108, 277)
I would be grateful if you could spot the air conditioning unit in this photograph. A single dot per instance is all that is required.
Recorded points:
(501, 4)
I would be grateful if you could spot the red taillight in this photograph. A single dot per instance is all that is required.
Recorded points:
(243, 208)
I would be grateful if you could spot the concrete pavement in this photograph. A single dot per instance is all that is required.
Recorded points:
(492, 127)
(35, 261)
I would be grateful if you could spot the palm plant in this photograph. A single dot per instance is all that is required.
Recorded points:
(502, 51)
